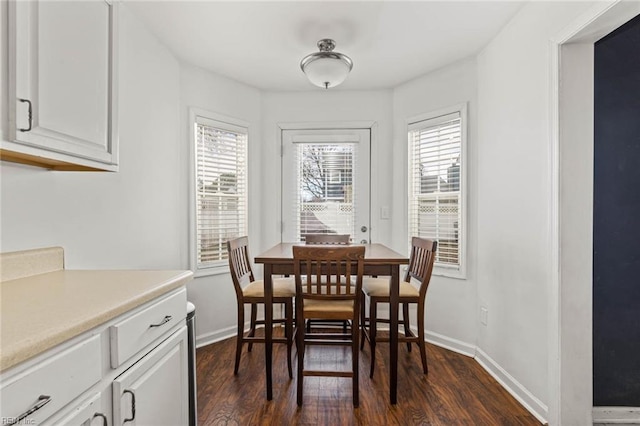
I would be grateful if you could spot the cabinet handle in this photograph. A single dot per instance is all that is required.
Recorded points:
(165, 320)
(103, 417)
(30, 114)
(42, 401)
(133, 406)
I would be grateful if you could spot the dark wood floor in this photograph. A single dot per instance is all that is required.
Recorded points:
(457, 391)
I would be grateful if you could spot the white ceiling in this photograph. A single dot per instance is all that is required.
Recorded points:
(261, 43)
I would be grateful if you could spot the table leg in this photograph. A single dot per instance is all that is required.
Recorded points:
(268, 327)
(393, 332)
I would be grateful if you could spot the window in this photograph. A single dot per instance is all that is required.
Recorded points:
(325, 200)
(220, 188)
(437, 185)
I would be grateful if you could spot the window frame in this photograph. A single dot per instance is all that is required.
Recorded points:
(233, 125)
(439, 268)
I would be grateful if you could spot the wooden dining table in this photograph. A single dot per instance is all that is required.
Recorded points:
(378, 260)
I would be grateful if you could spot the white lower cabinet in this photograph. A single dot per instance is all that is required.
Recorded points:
(78, 383)
(154, 391)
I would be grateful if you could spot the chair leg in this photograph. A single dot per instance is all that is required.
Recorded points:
(373, 305)
(355, 332)
(288, 331)
(300, 335)
(239, 337)
(405, 320)
(252, 326)
(363, 319)
(300, 332)
(421, 344)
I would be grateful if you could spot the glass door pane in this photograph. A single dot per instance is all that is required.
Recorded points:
(325, 183)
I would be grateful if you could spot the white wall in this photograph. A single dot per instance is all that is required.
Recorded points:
(129, 219)
(326, 106)
(213, 295)
(514, 195)
(451, 303)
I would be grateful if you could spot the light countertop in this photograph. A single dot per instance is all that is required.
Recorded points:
(41, 311)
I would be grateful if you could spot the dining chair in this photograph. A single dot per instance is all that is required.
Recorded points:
(325, 291)
(377, 290)
(327, 239)
(250, 291)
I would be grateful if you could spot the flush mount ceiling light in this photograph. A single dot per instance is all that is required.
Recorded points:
(326, 68)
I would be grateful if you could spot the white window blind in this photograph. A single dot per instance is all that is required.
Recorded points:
(221, 189)
(326, 182)
(435, 202)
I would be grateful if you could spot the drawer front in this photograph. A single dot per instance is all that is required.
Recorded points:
(86, 413)
(132, 334)
(53, 383)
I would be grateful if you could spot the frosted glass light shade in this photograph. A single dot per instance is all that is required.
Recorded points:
(326, 68)
(327, 72)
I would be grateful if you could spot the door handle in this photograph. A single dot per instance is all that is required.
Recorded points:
(364, 228)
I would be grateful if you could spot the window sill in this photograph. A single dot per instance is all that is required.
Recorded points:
(214, 270)
(443, 271)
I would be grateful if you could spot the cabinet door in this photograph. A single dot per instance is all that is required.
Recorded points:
(154, 391)
(62, 81)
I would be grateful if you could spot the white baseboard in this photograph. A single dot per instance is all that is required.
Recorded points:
(511, 385)
(616, 416)
(216, 336)
(449, 343)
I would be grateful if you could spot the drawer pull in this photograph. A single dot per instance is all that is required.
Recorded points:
(42, 401)
(28, 102)
(103, 417)
(133, 406)
(165, 320)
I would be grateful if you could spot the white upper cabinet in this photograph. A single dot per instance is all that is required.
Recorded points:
(63, 84)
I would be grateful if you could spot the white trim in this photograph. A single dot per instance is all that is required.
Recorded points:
(315, 125)
(458, 346)
(374, 202)
(211, 270)
(462, 108)
(350, 138)
(208, 116)
(511, 385)
(225, 333)
(215, 336)
(616, 415)
(371, 126)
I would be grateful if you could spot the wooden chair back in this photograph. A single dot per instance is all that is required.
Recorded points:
(328, 272)
(239, 263)
(421, 260)
(338, 239)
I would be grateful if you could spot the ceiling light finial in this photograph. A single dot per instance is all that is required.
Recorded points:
(326, 68)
